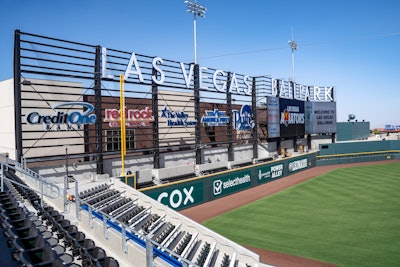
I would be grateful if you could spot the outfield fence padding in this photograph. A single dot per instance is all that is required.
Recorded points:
(353, 152)
(195, 191)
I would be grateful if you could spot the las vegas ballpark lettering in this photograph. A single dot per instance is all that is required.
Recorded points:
(218, 79)
(298, 165)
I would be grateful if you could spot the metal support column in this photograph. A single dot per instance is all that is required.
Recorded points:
(17, 96)
(197, 113)
(149, 254)
(309, 141)
(99, 128)
(154, 108)
(254, 109)
(230, 123)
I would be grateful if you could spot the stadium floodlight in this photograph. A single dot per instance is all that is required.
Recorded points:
(197, 10)
(293, 45)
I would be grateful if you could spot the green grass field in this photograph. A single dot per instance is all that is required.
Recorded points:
(349, 217)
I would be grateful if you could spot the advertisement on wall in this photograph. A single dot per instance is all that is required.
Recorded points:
(273, 118)
(320, 117)
(270, 172)
(179, 196)
(243, 119)
(195, 192)
(298, 164)
(133, 117)
(215, 117)
(292, 117)
(231, 183)
(67, 116)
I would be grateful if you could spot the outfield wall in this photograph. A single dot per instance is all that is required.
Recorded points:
(353, 152)
(195, 191)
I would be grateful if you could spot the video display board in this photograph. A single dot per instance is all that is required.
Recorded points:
(292, 117)
(320, 117)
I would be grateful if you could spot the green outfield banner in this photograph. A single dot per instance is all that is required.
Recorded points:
(187, 193)
(229, 183)
(270, 172)
(179, 196)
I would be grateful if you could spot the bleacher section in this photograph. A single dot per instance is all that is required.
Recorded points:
(40, 235)
(114, 225)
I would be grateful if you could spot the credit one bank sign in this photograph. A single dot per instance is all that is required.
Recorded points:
(64, 116)
(239, 84)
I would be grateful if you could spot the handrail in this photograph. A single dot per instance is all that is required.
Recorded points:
(164, 253)
(53, 191)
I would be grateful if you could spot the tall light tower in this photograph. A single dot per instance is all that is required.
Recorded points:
(197, 10)
(293, 45)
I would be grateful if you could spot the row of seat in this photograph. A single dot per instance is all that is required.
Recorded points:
(183, 243)
(129, 213)
(81, 247)
(32, 243)
(225, 261)
(151, 224)
(164, 233)
(43, 236)
(92, 191)
(201, 259)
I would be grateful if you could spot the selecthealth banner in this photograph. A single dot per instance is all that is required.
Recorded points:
(185, 194)
(231, 182)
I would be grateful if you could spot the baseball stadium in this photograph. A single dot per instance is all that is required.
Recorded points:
(114, 158)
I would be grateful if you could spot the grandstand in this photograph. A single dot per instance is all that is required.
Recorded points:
(103, 223)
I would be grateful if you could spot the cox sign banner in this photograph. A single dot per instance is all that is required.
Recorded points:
(179, 196)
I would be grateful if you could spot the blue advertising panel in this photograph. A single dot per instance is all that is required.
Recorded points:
(273, 117)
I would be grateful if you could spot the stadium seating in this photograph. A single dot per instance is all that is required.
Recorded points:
(46, 241)
(45, 235)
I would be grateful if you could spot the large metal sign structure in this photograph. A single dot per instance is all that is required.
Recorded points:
(67, 101)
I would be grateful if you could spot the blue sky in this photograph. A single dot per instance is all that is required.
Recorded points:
(350, 44)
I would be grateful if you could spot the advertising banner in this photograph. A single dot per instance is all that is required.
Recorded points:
(231, 182)
(320, 117)
(179, 196)
(298, 164)
(292, 117)
(273, 117)
(268, 173)
(190, 193)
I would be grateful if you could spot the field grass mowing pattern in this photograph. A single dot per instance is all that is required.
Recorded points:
(349, 217)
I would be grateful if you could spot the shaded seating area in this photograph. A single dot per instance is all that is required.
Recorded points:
(40, 236)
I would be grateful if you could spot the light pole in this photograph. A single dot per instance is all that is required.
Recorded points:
(293, 45)
(197, 10)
